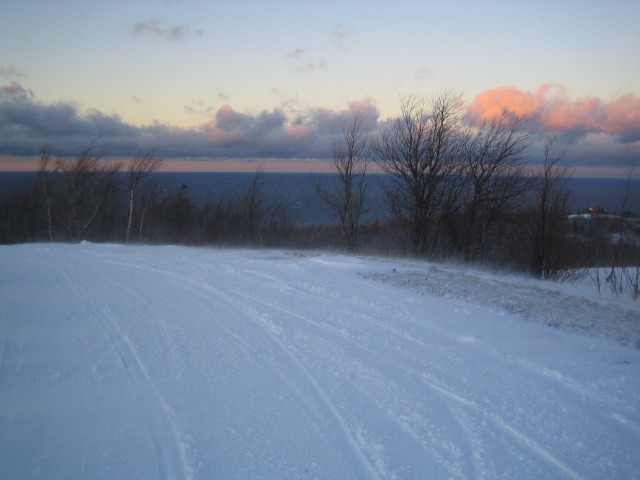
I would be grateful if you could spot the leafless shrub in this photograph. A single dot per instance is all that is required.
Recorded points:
(595, 275)
(632, 280)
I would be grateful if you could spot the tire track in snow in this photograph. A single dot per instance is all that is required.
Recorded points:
(171, 455)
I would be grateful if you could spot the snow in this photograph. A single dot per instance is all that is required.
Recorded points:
(192, 363)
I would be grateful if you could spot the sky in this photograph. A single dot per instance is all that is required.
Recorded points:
(212, 85)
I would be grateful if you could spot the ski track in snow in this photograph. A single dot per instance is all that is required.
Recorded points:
(249, 364)
(168, 446)
(255, 317)
(464, 403)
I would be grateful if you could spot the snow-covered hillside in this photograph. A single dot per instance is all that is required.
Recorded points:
(191, 363)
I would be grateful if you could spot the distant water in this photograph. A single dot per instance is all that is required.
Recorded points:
(296, 191)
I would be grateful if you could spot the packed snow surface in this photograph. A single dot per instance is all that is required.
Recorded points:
(192, 363)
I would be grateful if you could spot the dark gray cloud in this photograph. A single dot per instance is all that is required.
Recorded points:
(27, 124)
(158, 27)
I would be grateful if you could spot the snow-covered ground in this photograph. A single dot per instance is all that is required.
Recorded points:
(192, 363)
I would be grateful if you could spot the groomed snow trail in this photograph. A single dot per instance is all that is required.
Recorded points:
(171, 362)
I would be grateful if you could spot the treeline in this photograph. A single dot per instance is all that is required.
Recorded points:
(453, 192)
(89, 198)
(469, 194)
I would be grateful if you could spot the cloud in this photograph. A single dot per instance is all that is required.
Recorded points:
(423, 74)
(12, 72)
(199, 107)
(15, 92)
(158, 27)
(594, 131)
(298, 60)
(295, 55)
(307, 134)
(141, 101)
(552, 110)
(27, 124)
(339, 35)
(329, 122)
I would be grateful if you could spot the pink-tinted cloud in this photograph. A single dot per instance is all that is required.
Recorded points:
(595, 133)
(552, 110)
(492, 103)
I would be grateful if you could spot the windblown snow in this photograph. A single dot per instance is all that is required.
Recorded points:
(191, 363)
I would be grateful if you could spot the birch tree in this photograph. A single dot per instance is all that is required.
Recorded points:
(139, 168)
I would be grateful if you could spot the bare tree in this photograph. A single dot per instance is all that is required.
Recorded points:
(629, 191)
(548, 222)
(139, 168)
(251, 210)
(623, 264)
(348, 200)
(420, 150)
(632, 271)
(87, 185)
(45, 178)
(494, 172)
(147, 201)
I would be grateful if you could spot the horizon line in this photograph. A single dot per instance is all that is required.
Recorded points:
(274, 165)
